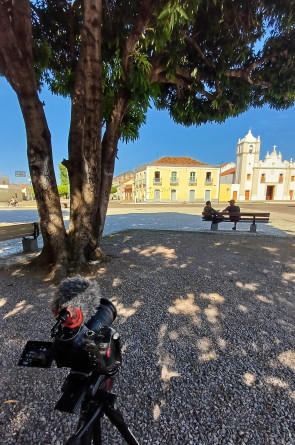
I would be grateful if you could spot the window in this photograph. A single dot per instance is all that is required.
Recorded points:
(173, 178)
(281, 178)
(262, 177)
(248, 176)
(251, 149)
(292, 178)
(192, 177)
(157, 178)
(208, 179)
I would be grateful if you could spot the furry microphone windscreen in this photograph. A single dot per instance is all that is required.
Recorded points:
(77, 292)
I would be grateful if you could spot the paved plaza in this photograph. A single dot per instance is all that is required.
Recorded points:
(177, 217)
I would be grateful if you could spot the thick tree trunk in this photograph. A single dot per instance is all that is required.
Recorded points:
(85, 139)
(16, 64)
(43, 178)
(109, 151)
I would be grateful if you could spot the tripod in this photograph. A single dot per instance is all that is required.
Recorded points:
(98, 401)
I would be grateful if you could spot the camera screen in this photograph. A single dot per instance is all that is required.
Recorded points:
(38, 354)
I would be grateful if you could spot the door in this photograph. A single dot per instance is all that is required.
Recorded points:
(291, 194)
(235, 195)
(128, 192)
(207, 195)
(157, 195)
(247, 195)
(269, 192)
(173, 195)
(192, 195)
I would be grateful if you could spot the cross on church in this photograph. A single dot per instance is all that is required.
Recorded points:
(274, 147)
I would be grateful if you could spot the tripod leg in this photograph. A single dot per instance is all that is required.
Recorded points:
(87, 431)
(96, 432)
(117, 420)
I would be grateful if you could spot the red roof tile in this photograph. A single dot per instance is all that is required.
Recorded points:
(130, 179)
(180, 161)
(228, 172)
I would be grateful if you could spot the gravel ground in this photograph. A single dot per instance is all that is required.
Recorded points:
(207, 327)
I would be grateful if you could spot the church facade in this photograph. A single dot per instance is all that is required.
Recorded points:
(271, 179)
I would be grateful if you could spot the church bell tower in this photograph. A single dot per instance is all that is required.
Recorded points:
(248, 151)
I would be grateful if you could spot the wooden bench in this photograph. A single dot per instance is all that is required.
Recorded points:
(14, 231)
(253, 218)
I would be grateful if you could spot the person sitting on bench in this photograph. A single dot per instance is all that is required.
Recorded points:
(232, 208)
(215, 218)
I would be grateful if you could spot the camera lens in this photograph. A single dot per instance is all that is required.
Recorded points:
(104, 316)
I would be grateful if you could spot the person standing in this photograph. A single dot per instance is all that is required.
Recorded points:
(232, 208)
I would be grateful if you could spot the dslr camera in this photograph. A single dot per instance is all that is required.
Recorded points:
(91, 350)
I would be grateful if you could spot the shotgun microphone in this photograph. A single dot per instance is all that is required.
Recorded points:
(74, 300)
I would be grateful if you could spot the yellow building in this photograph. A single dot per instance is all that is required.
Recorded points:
(178, 179)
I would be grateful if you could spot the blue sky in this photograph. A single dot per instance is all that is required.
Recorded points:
(210, 143)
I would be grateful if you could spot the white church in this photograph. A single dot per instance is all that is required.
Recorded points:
(252, 179)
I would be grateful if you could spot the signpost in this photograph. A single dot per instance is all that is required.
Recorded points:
(20, 174)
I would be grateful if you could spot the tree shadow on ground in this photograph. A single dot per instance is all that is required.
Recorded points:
(207, 327)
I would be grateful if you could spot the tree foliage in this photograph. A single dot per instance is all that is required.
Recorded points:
(63, 190)
(63, 175)
(201, 60)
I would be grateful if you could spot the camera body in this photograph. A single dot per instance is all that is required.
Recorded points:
(85, 348)
(88, 350)
(93, 346)
(92, 350)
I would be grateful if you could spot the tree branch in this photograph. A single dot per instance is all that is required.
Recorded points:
(194, 44)
(15, 38)
(146, 12)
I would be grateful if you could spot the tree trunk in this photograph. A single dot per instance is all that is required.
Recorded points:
(43, 178)
(109, 152)
(16, 64)
(85, 139)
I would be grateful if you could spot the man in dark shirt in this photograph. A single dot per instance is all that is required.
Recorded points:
(232, 208)
(212, 213)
